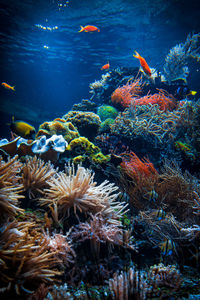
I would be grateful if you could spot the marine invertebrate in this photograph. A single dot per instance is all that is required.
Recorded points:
(25, 258)
(77, 190)
(10, 187)
(130, 284)
(137, 169)
(164, 100)
(58, 127)
(105, 125)
(107, 112)
(85, 105)
(176, 61)
(164, 276)
(83, 146)
(35, 175)
(98, 231)
(149, 121)
(87, 123)
(124, 95)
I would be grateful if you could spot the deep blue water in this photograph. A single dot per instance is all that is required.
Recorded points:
(52, 69)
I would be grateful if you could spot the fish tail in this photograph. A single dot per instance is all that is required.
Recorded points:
(13, 88)
(82, 28)
(137, 55)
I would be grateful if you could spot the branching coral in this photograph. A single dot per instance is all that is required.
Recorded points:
(26, 260)
(176, 61)
(35, 174)
(165, 101)
(78, 190)
(125, 95)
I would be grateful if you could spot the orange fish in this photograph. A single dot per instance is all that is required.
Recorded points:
(143, 63)
(105, 67)
(89, 28)
(7, 86)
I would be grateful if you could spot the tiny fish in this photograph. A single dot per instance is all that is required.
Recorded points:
(151, 195)
(105, 67)
(89, 28)
(8, 87)
(167, 247)
(143, 63)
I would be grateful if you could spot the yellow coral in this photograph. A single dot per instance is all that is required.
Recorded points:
(59, 127)
(82, 145)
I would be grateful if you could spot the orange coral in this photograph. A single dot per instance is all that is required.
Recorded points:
(164, 100)
(124, 95)
(136, 168)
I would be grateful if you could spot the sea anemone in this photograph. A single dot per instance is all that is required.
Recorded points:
(77, 190)
(35, 175)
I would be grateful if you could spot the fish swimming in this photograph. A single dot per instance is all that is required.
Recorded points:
(167, 247)
(89, 28)
(184, 91)
(143, 63)
(8, 87)
(105, 67)
(22, 129)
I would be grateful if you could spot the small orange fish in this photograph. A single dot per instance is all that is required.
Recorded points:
(143, 63)
(7, 86)
(105, 67)
(89, 28)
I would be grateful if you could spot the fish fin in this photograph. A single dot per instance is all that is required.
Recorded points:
(13, 88)
(137, 55)
(82, 28)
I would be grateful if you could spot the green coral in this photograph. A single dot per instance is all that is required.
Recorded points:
(107, 112)
(86, 149)
(105, 125)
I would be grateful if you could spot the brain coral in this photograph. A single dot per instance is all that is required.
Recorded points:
(107, 112)
(58, 127)
(88, 123)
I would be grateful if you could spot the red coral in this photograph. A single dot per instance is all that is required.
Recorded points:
(163, 99)
(138, 169)
(124, 95)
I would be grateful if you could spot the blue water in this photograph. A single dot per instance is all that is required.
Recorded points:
(52, 69)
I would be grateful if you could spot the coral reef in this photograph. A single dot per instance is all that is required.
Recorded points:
(58, 127)
(88, 123)
(85, 105)
(107, 112)
(125, 95)
(86, 149)
(176, 61)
